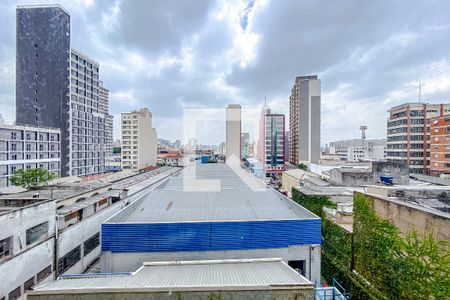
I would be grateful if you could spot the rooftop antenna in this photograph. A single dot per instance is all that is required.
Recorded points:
(420, 90)
(363, 129)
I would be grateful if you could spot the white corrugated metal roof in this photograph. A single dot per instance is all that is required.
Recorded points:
(233, 274)
(240, 197)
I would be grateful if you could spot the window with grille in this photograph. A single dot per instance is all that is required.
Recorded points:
(15, 294)
(69, 260)
(36, 233)
(91, 243)
(28, 284)
(44, 273)
(6, 247)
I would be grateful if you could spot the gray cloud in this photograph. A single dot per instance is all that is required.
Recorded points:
(168, 55)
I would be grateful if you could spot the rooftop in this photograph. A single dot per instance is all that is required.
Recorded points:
(235, 274)
(238, 197)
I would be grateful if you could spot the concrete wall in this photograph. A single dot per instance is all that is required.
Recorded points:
(289, 293)
(129, 262)
(288, 182)
(406, 217)
(77, 234)
(17, 270)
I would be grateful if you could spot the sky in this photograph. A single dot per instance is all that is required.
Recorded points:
(175, 54)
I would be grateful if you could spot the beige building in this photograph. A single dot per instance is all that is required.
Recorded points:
(233, 128)
(139, 140)
(421, 208)
(304, 120)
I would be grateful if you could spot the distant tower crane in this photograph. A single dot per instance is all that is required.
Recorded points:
(363, 129)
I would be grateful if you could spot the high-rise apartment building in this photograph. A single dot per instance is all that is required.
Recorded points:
(233, 134)
(58, 87)
(271, 141)
(408, 134)
(26, 147)
(139, 140)
(245, 140)
(440, 145)
(103, 96)
(304, 120)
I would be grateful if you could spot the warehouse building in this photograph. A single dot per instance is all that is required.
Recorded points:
(211, 211)
(210, 279)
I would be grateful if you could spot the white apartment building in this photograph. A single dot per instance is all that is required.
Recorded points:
(103, 106)
(88, 132)
(359, 149)
(27, 147)
(139, 140)
(233, 134)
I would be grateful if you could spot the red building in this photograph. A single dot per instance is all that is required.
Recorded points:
(440, 145)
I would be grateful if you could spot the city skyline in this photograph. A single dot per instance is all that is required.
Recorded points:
(184, 64)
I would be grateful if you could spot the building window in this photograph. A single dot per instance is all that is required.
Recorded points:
(14, 147)
(28, 147)
(36, 233)
(28, 284)
(13, 135)
(43, 274)
(91, 243)
(13, 157)
(69, 260)
(15, 294)
(6, 247)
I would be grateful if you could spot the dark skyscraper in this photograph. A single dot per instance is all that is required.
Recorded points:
(58, 86)
(42, 71)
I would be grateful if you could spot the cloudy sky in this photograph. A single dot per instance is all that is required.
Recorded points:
(174, 54)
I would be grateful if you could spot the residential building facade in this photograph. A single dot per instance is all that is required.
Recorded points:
(440, 145)
(245, 140)
(26, 147)
(233, 134)
(408, 134)
(139, 140)
(271, 141)
(359, 149)
(103, 96)
(71, 102)
(304, 120)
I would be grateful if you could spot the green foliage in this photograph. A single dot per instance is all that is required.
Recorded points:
(314, 204)
(410, 267)
(302, 166)
(387, 264)
(32, 178)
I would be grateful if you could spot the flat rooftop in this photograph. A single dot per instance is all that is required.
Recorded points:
(234, 195)
(200, 275)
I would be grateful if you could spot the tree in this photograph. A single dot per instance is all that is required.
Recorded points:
(32, 178)
(302, 166)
